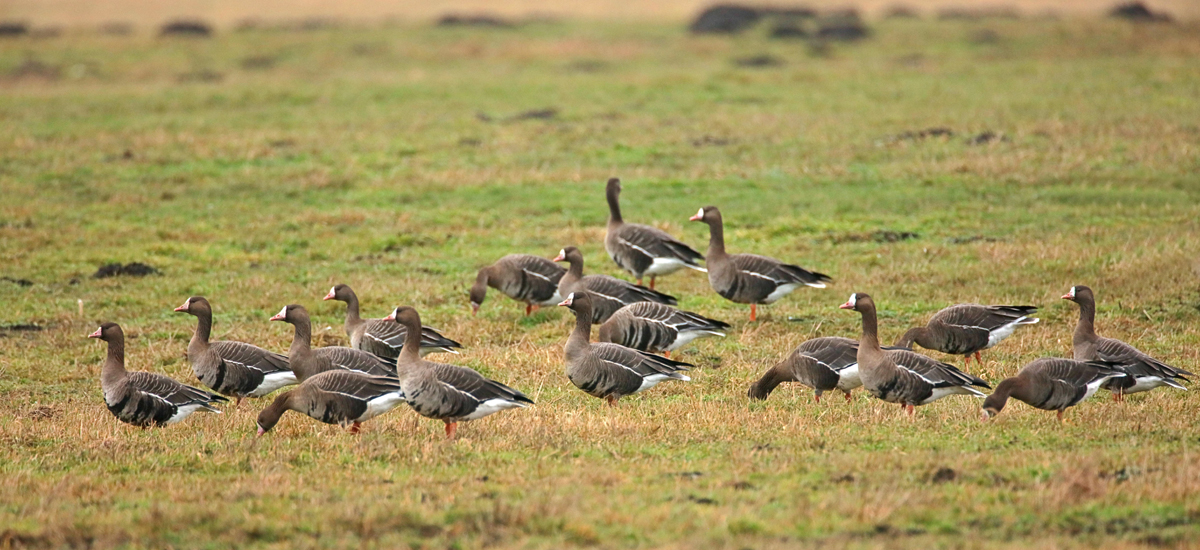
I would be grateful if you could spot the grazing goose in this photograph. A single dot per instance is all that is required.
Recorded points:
(611, 371)
(657, 328)
(968, 328)
(236, 369)
(1052, 384)
(380, 337)
(823, 364)
(444, 392)
(749, 278)
(307, 362)
(342, 397)
(145, 399)
(894, 380)
(609, 293)
(522, 277)
(1145, 372)
(640, 249)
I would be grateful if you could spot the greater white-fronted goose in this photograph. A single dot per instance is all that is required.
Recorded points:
(657, 328)
(1052, 384)
(611, 371)
(750, 278)
(640, 249)
(236, 369)
(888, 377)
(522, 277)
(968, 328)
(307, 362)
(1145, 372)
(383, 338)
(444, 392)
(145, 399)
(609, 293)
(342, 397)
(823, 364)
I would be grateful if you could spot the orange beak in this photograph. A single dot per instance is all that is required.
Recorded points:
(694, 218)
(95, 334)
(846, 305)
(277, 317)
(328, 296)
(1066, 296)
(391, 316)
(185, 305)
(566, 302)
(474, 308)
(559, 258)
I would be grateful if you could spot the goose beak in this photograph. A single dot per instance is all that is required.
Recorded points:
(328, 296)
(391, 316)
(474, 308)
(184, 307)
(95, 334)
(567, 302)
(277, 317)
(695, 218)
(846, 305)
(260, 432)
(560, 257)
(1066, 296)
(984, 416)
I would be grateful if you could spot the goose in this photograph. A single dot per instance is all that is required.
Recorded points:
(522, 277)
(750, 278)
(657, 328)
(343, 397)
(611, 371)
(380, 337)
(641, 249)
(444, 392)
(609, 293)
(964, 329)
(307, 362)
(1145, 372)
(823, 364)
(1052, 384)
(235, 369)
(145, 399)
(892, 379)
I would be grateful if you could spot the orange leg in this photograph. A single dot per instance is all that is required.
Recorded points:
(978, 359)
(966, 360)
(753, 311)
(667, 354)
(911, 410)
(1060, 418)
(847, 394)
(451, 428)
(639, 281)
(528, 309)
(652, 281)
(356, 427)
(612, 400)
(238, 404)
(817, 396)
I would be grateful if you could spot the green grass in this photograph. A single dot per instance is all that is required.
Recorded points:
(360, 156)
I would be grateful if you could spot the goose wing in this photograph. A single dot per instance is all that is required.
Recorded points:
(354, 359)
(386, 338)
(171, 391)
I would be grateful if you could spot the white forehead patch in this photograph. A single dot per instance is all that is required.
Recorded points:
(283, 312)
(1072, 293)
(700, 213)
(853, 299)
(333, 290)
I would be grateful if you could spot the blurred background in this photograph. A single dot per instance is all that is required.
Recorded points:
(232, 13)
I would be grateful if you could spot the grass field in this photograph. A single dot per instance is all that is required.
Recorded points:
(260, 168)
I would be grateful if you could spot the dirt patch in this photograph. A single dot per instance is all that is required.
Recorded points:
(186, 28)
(10, 29)
(758, 61)
(116, 28)
(1137, 11)
(474, 20)
(972, 239)
(22, 327)
(725, 19)
(845, 26)
(986, 137)
(901, 11)
(788, 30)
(201, 76)
(32, 69)
(977, 13)
(41, 413)
(135, 269)
(944, 475)
(18, 282)
(915, 135)
(878, 236)
(536, 114)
